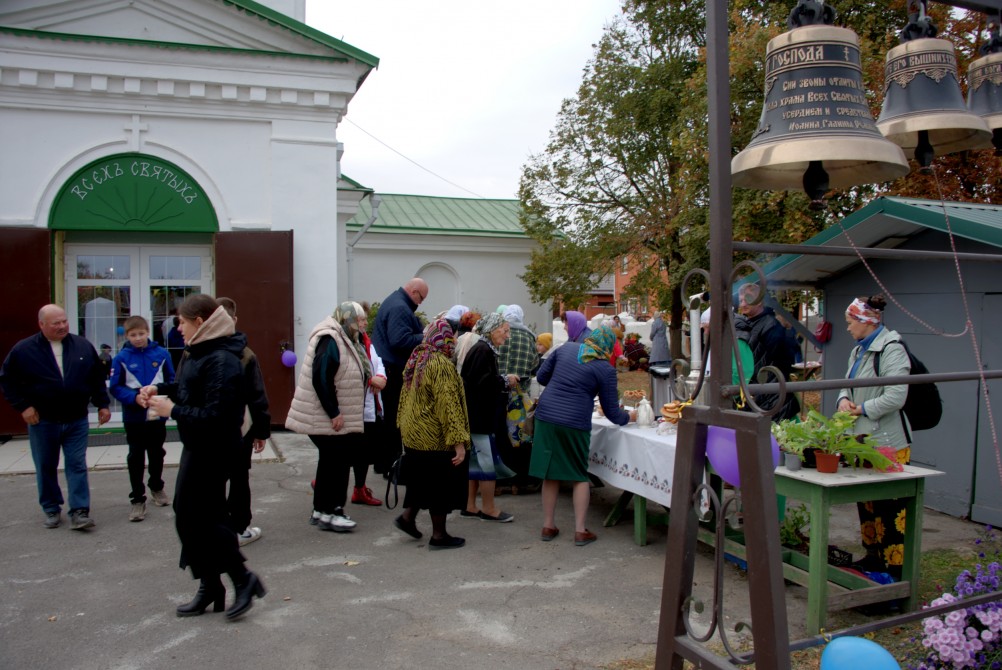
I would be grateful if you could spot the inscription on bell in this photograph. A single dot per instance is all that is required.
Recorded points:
(817, 87)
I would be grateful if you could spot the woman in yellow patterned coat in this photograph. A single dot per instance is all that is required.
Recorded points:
(436, 431)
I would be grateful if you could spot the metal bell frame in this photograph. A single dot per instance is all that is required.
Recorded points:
(770, 631)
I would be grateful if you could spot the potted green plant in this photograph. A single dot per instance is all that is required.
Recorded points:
(830, 438)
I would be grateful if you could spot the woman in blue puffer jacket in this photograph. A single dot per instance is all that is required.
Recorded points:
(573, 376)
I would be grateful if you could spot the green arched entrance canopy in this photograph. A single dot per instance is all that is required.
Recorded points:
(133, 192)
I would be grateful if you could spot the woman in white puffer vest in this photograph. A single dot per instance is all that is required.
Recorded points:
(328, 406)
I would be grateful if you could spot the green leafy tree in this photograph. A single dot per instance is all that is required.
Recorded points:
(626, 169)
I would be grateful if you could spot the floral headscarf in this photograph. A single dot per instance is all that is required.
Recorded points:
(347, 314)
(598, 345)
(438, 339)
(862, 312)
(488, 324)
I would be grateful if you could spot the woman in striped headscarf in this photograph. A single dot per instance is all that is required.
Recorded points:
(436, 432)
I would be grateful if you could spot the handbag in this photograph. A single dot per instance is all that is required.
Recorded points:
(393, 480)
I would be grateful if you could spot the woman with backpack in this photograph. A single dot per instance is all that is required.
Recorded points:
(879, 415)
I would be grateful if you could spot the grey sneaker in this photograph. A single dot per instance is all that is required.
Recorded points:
(138, 512)
(250, 535)
(160, 498)
(80, 520)
(52, 519)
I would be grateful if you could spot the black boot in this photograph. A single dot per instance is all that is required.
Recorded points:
(210, 592)
(246, 586)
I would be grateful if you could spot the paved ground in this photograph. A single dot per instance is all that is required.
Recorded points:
(373, 598)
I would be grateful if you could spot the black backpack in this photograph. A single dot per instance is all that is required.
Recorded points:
(923, 406)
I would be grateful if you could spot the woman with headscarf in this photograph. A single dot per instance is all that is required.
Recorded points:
(577, 326)
(372, 416)
(328, 406)
(206, 401)
(466, 337)
(573, 376)
(659, 340)
(878, 408)
(486, 399)
(436, 431)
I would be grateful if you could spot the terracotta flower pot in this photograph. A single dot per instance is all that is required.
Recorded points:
(827, 462)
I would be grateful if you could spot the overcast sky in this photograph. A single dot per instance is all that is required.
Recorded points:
(466, 88)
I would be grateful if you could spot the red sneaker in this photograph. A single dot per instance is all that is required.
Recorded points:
(362, 495)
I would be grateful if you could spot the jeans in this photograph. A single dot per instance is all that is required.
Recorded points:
(145, 438)
(46, 437)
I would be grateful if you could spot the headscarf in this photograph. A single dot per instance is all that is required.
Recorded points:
(546, 339)
(456, 312)
(576, 323)
(438, 339)
(513, 314)
(488, 324)
(862, 312)
(347, 314)
(501, 309)
(598, 345)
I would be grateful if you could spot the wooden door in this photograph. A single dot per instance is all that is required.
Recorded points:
(254, 268)
(26, 259)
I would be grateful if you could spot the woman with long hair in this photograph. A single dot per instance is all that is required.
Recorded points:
(206, 400)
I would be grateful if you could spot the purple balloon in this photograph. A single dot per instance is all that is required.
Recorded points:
(289, 358)
(722, 452)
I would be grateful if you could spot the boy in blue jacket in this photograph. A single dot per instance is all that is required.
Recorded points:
(142, 362)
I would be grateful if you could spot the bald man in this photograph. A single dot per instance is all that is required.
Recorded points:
(395, 332)
(51, 378)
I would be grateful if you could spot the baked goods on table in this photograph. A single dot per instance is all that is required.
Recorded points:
(634, 395)
(672, 411)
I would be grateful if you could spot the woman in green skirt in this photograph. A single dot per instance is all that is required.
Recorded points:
(573, 375)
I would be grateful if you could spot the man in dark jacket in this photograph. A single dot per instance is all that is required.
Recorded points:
(50, 378)
(256, 430)
(395, 333)
(766, 337)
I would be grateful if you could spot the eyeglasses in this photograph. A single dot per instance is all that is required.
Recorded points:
(417, 294)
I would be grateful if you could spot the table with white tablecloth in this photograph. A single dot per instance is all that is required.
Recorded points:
(637, 460)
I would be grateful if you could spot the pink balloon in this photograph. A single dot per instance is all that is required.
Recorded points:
(722, 452)
(289, 358)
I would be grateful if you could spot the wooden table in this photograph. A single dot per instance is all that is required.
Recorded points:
(641, 463)
(851, 485)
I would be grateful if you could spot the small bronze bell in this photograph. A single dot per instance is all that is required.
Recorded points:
(924, 111)
(816, 131)
(984, 86)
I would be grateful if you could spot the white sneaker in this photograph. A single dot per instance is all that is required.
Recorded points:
(250, 535)
(337, 522)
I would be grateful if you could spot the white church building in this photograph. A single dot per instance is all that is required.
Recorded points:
(155, 149)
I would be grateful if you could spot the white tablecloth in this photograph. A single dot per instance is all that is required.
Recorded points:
(634, 459)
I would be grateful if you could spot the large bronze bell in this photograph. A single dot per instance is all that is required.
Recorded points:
(984, 91)
(924, 111)
(816, 131)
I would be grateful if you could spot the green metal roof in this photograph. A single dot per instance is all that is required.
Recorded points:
(352, 185)
(431, 215)
(888, 222)
(340, 51)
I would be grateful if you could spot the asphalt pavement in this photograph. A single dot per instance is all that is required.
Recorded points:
(371, 598)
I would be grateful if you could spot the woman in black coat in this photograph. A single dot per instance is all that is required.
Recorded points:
(206, 400)
(486, 399)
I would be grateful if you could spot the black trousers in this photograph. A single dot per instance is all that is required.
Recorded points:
(390, 446)
(146, 440)
(238, 498)
(337, 454)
